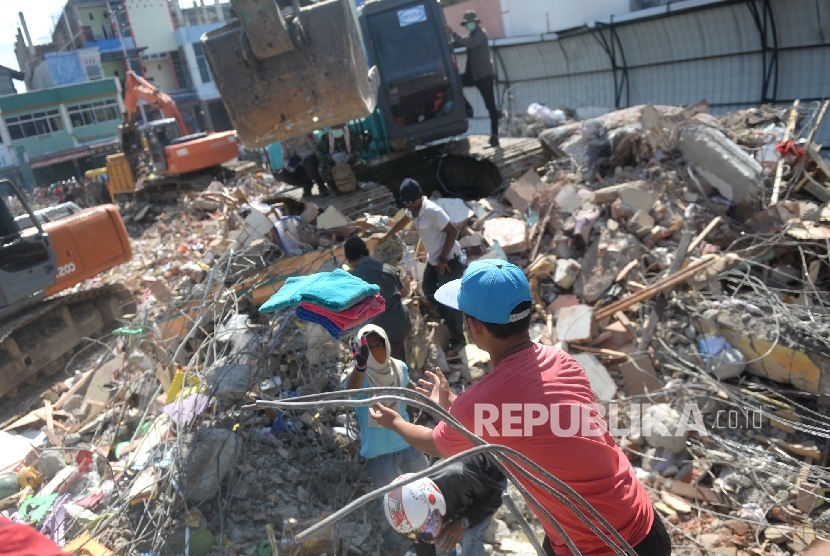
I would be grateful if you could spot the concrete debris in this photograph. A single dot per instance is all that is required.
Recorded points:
(732, 171)
(714, 352)
(509, 233)
(567, 271)
(209, 457)
(331, 219)
(574, 324)
(659, 428)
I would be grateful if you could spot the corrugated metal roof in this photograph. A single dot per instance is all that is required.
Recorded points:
(713, 52)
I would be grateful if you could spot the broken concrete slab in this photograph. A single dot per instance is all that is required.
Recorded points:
(510, 233)
(574, 324)
(568, 199)
(209, 455)
(560, 302)
(641, 223)
(608, 194)
(801, 366)
(456, 209)
(331, 219)
(727, 167)
(606, 257)
(229, 382)
(637, 198)
(601, 382)
(520, 194)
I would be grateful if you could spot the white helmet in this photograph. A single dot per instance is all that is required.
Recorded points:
(415, 509)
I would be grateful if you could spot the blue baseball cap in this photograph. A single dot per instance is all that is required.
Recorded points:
(489, 291)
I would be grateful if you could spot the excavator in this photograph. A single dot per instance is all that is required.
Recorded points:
(387, 68)
(162, 155)
(39, 259)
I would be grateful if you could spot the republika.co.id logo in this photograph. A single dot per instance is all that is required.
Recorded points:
(566, 420)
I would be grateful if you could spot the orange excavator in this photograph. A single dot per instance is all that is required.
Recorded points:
(40, 258)
(161, 154)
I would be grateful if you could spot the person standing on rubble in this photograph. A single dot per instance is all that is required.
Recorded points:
(299, 160)
(395, 319)
(479, 72)
(530, 402)
(444, 264)
(387, 455)
(337, 148)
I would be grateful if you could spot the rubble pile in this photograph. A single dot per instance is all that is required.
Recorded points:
(659, 255)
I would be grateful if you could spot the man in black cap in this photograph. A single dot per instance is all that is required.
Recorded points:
(479, 71)
(444, 264)
(395, 319)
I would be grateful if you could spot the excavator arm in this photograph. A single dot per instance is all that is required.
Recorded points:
(137, 88)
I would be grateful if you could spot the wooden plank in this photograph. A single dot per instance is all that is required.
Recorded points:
(779, 171)
(694, 493)
(610, 353)
(50, 425)
(703, 233)
(658, 287)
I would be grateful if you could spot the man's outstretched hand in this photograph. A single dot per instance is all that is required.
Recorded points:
(437, 388)
(384, 416)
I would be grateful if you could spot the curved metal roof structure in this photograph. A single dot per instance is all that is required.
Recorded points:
(734, 53)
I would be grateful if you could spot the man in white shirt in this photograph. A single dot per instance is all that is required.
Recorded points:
(444, 264)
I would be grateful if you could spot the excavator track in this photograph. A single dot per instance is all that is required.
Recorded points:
(40, 339)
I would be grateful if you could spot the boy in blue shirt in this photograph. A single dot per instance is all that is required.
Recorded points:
(387, 454)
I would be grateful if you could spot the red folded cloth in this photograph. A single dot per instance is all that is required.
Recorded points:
(353, 316)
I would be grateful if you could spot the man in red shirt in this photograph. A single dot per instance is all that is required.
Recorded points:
(538, 401)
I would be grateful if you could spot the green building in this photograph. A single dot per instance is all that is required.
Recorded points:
(60, 132)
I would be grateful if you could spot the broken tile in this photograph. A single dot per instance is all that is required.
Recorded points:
(510, 233)
(520, 194)
(573, 324)
(331, 218)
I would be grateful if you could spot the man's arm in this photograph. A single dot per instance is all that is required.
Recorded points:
(469, 40)
(417, 436)
(397, 227)
(449, 241)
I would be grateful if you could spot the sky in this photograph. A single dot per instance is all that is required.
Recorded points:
(39, 15)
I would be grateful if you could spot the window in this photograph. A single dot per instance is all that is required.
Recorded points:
(180, 69)
(91, 17)
(93, 112)
(201, 61)
(34, 125)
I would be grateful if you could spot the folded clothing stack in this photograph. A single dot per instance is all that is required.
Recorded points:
(338, 301)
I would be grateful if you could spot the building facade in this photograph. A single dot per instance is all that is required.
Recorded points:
(59, 132)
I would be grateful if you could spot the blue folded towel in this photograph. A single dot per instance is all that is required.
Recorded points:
(337, 290)
(331, 328)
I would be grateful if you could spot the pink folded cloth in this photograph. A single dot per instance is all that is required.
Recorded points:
(353, 316)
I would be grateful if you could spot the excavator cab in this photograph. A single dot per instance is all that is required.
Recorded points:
(420, 94)
(282, 72)
(160, 134)
(27, 259)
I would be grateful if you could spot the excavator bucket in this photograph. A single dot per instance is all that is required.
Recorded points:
(280, 76)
